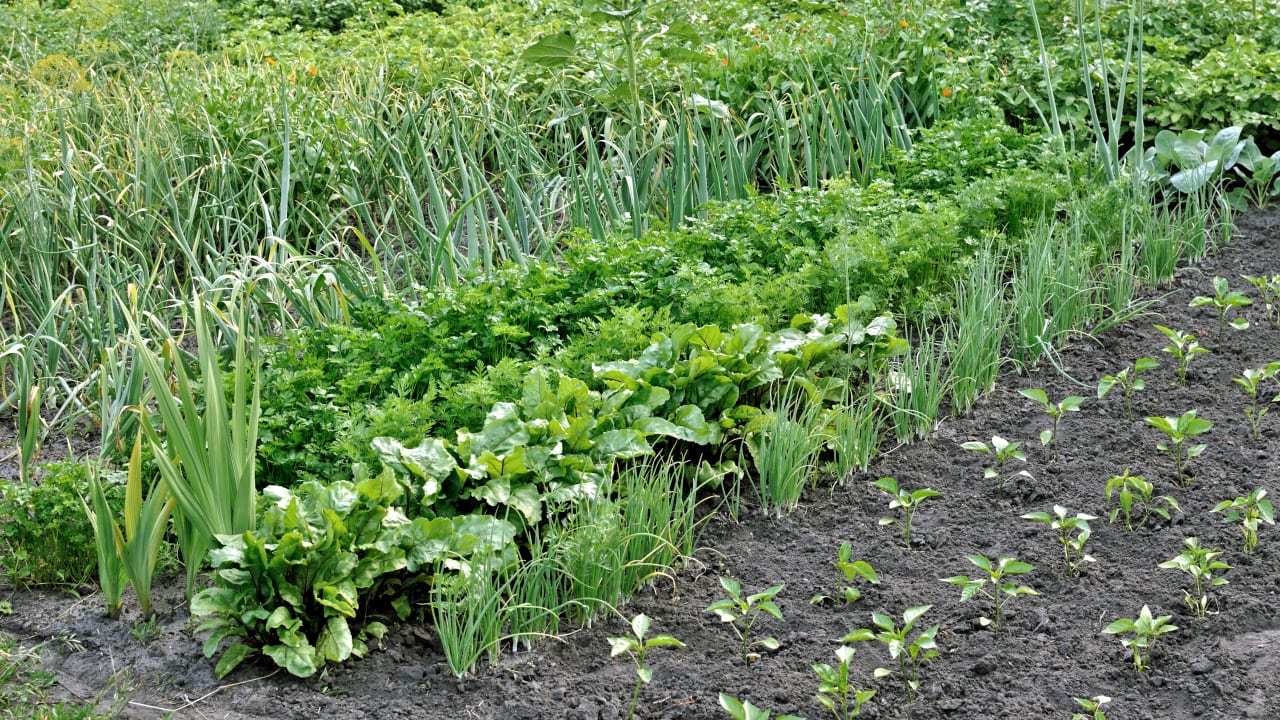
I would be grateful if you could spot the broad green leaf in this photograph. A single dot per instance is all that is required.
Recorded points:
(232, 657)
(622, 445)
(300, 661)
(334, 642)
(551, 50)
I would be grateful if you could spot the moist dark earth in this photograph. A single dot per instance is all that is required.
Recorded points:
(1049, 650)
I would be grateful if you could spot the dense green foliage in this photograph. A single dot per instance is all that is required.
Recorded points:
(496, 256)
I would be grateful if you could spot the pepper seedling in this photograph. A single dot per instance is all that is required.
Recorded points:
(1128, 380)
(1137, 497)
(1179, 430)
(1269, 291)
(1093, 706)
(1199, 564)
(1249, 380)
(1002, 590)
(1054, 410)
(851, 570)
(1145, 630)
(1073, 532)
(1182, 346)
(908, 501)
(742, 613)
(636, 646)
(1249, 510)
(1224, 300)
(834, 691)
(1002, 451)
(911, 653)
(746, 711)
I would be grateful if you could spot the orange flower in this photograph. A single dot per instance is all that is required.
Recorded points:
(828, 39)
(293, 78)
(903, 24)
(766, 37)
(724, 61)
(311, 70)
(270, 61)
(844, 13)
(757, 48)
(946, 92)
(755, 31)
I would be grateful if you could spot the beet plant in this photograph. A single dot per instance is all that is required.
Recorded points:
(1224, 300)
(1128, 380)
(1200, 564)
(1179, 431)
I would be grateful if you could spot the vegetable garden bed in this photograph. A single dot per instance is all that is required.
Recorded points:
(1049, 649)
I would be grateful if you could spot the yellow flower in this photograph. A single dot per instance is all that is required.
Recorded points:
(903, 24)
(270, 61)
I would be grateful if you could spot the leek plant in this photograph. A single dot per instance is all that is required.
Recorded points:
(207, 452)
(132, 553)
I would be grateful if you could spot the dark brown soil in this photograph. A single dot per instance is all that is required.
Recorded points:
(1051, 649)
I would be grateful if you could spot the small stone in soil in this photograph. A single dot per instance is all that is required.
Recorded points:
(985, 666)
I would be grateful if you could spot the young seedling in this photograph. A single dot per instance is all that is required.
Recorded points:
(1249, 380)
(851, 569)
(1182, 346)
(742, 613)
(1073, 533)
(908, 501)
(1002, 590)
(1249, 510)
(1179, 430)
(911, 653)
(1128, 380)
(1200, 564)
(746, 711)
(1002, 451)
(636, 646)
(834, 692)
(1053, 410)
(1224, 300)
(1093, 706)
(1269, 292)
(1137, 499)
(1145, 630)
